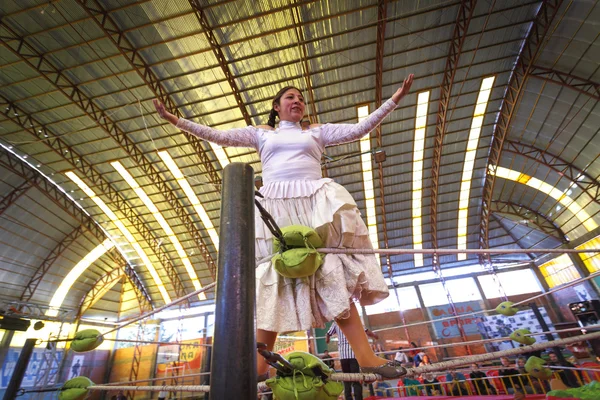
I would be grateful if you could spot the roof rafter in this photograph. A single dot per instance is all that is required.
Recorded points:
(303, 52)
(14, 195)
(461, 27)
(218, 53)
(106, 282)
(52, 140)
(379, 54)
(266, 69)
(133, 56)
(579, 84)
(528, 215)
(509, 232)
(51, 257)
(516, 84)
(583, 180)
(20, 168)
(55, 76)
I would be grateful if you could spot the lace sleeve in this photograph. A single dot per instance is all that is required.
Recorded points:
(236, 137)
(343, 133)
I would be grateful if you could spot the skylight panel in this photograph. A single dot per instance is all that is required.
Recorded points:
(76, 271)
(124, 231)
(469, 163)
(366, 160)
(417, 171)
(163, 224)
(564, 199)
(191, 195)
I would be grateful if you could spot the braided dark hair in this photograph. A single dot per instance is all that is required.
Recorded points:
(274, 114)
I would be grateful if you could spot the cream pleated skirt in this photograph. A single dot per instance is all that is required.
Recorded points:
(287, 305)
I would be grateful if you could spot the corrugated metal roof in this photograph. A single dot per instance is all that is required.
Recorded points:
(267, 46)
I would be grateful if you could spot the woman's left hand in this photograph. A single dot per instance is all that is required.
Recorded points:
(403, 91)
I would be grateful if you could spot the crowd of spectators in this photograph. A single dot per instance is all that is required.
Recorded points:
(509, 377)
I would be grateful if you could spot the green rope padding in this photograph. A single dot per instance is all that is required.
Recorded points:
(298, 236)
(297, 263)
(308, 381)
(591, 391)
(506, 308)
(535, 367)
(520, 335)
(301, 259)
(86, 340)
(75, 388)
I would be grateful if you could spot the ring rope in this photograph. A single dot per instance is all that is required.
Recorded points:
(484, 341)
(360, 377)
(164, 378)
(444, 365)
(159, 343)
(573, 283)
(159, 309)
(166, 388)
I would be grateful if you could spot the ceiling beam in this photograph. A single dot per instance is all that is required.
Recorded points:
(530, 216)
(509, 232)
(61, 81)
(14, 195)
(379, 55)
(266, 69)
(199, 11)
(523, 65)
(579, 84)
(583, 180)
(107, 281)
(108, 25)
(303, 53)
(51, 257)
(461, 27)
(11, 162)
(53, 140)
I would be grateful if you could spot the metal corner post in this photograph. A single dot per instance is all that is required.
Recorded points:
(233, 366)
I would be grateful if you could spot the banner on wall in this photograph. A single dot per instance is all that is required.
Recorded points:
(173, 359)
(497, 326)
(35, 363)
(448, 328)
(293, 341)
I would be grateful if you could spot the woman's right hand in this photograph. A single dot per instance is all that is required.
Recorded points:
(163, 113)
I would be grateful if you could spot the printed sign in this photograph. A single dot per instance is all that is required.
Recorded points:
(448, 328)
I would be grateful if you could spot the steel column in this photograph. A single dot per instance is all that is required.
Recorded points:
(236, 292)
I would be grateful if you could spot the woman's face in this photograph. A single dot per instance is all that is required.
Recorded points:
(291, 106)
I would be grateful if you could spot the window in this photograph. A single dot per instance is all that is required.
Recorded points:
(559, 271)
(461, 290)
(408, 301)
(513, 283)
(591, 260)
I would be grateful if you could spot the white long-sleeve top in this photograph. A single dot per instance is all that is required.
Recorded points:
(289, 153)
